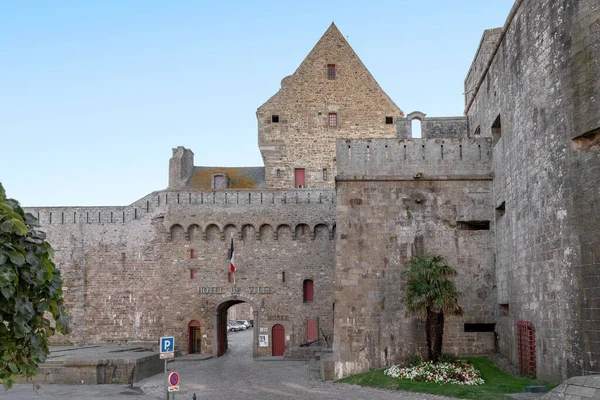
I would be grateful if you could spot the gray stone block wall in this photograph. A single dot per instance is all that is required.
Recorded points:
(381, 224)
(543, 84)
(131, 281)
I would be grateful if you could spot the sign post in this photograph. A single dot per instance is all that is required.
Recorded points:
(167, 350)
(174, 383)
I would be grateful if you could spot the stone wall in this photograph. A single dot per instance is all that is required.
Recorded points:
(128, 276)
(538, 103)
(383, 220)
(302, 137)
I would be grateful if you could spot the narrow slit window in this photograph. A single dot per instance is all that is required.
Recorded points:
(282, 276)
(331, 73)
(192, 273)
(324, 174)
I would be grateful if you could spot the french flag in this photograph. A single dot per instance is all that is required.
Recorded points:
(231, 258)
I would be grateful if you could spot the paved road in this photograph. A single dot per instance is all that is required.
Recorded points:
(236, 375)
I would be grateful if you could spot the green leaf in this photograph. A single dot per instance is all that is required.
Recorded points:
(20, 227)
(6, 226)
(8, 291)
(8, 384)
(16, 258)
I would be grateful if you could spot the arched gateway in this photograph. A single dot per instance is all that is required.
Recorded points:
(220, 324)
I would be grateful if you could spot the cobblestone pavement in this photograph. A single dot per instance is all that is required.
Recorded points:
(236, 375)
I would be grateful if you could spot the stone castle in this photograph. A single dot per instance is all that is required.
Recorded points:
(509, 194)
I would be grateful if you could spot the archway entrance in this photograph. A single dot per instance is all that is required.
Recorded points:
(194, 337)
(278, 335)
(221, 320)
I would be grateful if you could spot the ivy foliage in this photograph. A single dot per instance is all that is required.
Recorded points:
(31, 303)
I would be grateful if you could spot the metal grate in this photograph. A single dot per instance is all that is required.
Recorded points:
(526, 348)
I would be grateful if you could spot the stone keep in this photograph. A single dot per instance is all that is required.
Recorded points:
(509, 194)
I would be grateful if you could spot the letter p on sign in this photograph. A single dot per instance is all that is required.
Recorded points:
(167, 344)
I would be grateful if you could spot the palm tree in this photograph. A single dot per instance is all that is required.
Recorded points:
(429, 293)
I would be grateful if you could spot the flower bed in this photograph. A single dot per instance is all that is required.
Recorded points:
(459, 373)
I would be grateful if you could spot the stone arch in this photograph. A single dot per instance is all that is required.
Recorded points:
(248, 232)
(212, 232)
(284, 232)
(194, 232)
(177, 233)
(229, 231)
(266, 233)
(220, 318)
(321, 232)
(302, 232)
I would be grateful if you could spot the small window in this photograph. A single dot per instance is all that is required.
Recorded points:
(504, 310)
(331, 71)
(278, 173)
(311, 329)
(473, 225)
(229, 277)
(324, 174)
(282, 276)
(333, 121)
(219, 182)
(496, 130)
(389, 120)
(307, 289)
(477, 131)
(192, 273)
(191, 254)
(275, 118)
(480, 327)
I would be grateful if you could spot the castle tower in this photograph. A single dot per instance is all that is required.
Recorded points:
(331, 95)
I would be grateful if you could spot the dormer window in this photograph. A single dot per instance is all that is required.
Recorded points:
(219, 181)
(331, 71)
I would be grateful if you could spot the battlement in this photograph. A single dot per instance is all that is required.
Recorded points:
(414, 158)
(168, 200)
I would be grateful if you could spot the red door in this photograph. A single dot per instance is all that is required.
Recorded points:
(222, 335)
(194, 337)
(278, 337)
(299, 176)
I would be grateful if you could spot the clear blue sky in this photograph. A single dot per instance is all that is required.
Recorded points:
(95, 94)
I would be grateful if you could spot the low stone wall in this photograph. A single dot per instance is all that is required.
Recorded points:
(576, 388)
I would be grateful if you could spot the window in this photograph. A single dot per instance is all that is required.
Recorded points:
(307, 289)
(229, 277)
(278, 173)
(479, 327)
(299, 175)
(496, 130)
(333, 119)
(275, 118)
(324, 174)
(389, 120)
(192, 273)
(311, 329)
(191, 254)
(282, 276)
(219, 182)
(330, 71)
(473, 225)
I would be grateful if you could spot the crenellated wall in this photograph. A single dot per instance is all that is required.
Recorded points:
(397, 199)
(414, 158)
(122, 265)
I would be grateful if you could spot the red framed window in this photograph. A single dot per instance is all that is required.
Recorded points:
(308, 291)
(311, 329)
(191, 254)
(229, 277)
(330, 71)
(192, 273)
(333, 119)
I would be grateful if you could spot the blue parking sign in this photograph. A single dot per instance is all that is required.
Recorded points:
(167, 344)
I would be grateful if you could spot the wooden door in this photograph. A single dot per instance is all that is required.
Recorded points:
(278, 339)
(194, 337)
